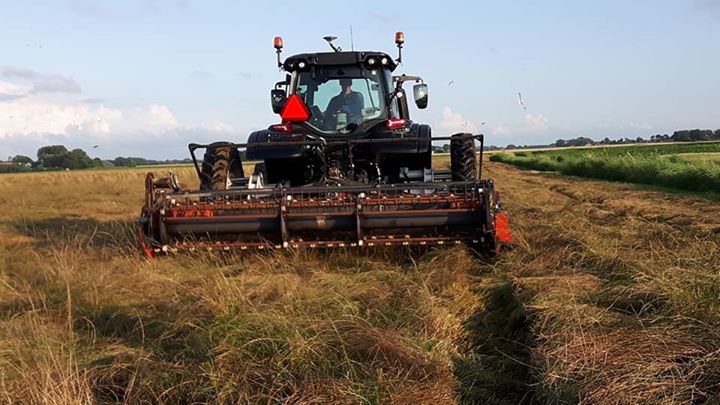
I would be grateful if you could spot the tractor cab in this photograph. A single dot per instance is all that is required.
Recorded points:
(345, 92)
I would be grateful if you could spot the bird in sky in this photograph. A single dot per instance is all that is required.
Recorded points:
(96, 146)
(451, 82)
(521, 101)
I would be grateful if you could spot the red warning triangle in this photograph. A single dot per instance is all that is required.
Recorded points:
(295, 110)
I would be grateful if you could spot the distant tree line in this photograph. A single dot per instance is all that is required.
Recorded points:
(685, 135)
(53, 157)
(138, 161)
(690, 135)
(58, 157)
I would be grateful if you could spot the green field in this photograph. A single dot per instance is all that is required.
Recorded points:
(694, 166)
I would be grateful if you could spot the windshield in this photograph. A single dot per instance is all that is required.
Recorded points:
(342, 98)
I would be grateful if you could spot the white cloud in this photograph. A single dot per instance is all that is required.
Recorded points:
(536, 123)
(12, 72)
(38, 109)
(12, 89)
(219, 126)
(33, 116)
(160, 116)
(56, 84)
(500, 129)
(34, 105)
(453, 123)
(30, 120)
(531, 125)
(41, 82)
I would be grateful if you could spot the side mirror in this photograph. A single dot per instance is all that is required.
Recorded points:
(277, 100)
(420, 92)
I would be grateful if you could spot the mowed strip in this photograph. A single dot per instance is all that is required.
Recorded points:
(622, 286)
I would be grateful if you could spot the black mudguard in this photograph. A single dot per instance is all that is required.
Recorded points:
(263, 153)
(416, 131)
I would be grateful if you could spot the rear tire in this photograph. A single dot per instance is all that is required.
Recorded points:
(463, 162)
(221, 162)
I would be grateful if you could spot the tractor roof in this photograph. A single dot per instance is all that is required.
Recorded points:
(339, 58)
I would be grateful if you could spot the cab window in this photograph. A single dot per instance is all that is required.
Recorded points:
(335, 109)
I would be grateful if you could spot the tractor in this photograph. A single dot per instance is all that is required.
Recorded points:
(345, 167)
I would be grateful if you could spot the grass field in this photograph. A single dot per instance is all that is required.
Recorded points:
(694, 167)
(612, 295)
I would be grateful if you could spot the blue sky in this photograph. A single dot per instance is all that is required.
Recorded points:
(144, 78)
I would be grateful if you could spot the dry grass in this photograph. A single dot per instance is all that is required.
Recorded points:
(611, 296)
(622, 287)
(85, 319)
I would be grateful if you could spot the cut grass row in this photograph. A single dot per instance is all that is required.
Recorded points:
(657, 165)
(621, 286)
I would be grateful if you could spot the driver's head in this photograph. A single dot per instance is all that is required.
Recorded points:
(345, 84)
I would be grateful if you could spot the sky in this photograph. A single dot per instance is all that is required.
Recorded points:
(145, 78)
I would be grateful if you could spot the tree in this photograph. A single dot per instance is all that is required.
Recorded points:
(693, 135)
(58, 157)
(21, 160)
(51, 156)
(579, 141)
(123, 161)
(76, 159)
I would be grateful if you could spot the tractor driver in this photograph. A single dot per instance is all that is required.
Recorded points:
(348, 101)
